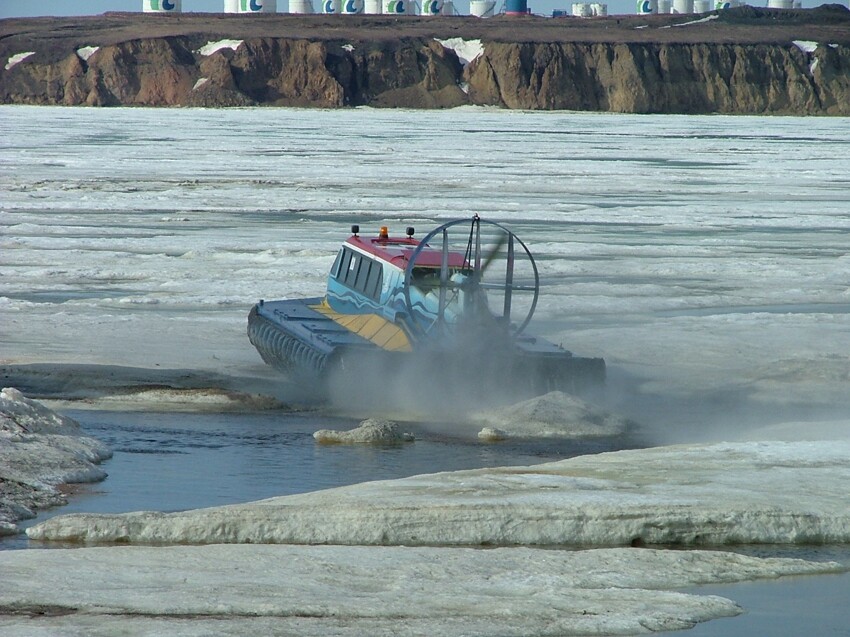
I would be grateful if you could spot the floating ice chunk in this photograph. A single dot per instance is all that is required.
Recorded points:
(211, 47)
(87, 51)
(553, 415)
(17, 59)
(201, 81)
(729, 493)
(492, 434)
(467, 51)
(370, 431)
(348, 47)
(807, 46)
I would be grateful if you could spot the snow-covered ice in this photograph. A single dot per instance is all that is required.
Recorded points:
(729, 493)
(39, 451)
(370, 431)
(321, 590)
(705, 258)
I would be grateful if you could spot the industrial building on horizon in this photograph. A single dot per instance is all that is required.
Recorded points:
(477, 8)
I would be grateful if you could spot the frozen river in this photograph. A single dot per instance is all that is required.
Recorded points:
(705, 258)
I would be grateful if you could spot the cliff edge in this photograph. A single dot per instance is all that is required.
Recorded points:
(744, 61)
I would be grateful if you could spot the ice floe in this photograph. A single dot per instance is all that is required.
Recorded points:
(17, 59)
(211, 47)
(725, 493)
(370, 431)
(40, 450)
(321, 590)
(553, 415)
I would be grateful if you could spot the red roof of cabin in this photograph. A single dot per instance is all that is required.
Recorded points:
(397, 250)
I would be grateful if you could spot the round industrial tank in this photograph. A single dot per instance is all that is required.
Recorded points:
(352, 6)
(482, 8)
(664, 6)
(161, 6)
(331, 6)
(599, 10)
(645, 7)
(581, 10)
(432, 7)
(722, 5)
(516, 7)
(231, 6)
(702, 6)
(372, 7)
(780, 4)
(257, 6)
(301, 6)
(399, 7)
(683, 6)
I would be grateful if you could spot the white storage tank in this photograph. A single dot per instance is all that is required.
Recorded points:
(257, 6)
(702, 6)
(582, 9)
(432, 7)
(780, 4)
(398, 7)
(372, 7)
(301, 6)
(664, 6)
(231, 6)
(350, 7)
(331, 6)
(161, 6)
(482, 8)
(598, 9)
(645, 7)
(683, 6)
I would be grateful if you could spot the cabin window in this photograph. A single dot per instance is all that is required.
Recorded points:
(335, 268)
(360, 273)
(373, 283)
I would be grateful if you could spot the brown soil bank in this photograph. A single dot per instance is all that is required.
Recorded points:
(737, 61)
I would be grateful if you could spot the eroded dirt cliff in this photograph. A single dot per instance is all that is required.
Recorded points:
(756, 62)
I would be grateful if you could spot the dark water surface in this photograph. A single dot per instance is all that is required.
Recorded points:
(179, 461)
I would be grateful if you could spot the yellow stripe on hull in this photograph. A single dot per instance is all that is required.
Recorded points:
(372, 327)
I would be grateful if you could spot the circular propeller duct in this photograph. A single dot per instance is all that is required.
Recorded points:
(471, 275)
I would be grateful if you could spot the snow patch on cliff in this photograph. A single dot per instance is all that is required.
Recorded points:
(86, 52)
(211, 47)
(17, 59)
(467, 51)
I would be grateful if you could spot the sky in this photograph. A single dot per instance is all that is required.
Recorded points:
(23, 8)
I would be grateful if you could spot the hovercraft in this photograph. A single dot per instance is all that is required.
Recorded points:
(444, 314)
